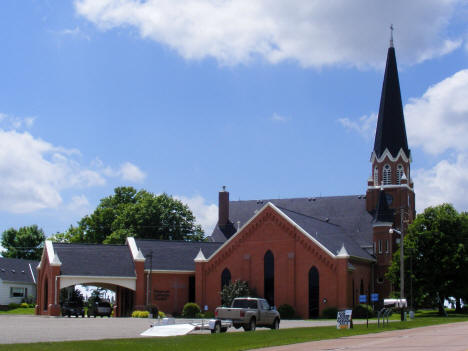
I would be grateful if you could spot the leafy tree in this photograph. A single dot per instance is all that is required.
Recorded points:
(239, 288)
(140, 214)
(26, 242)
(436, 245)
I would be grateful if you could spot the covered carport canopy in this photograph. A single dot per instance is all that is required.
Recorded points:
(93, 264)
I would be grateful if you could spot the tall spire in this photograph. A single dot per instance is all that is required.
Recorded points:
(391, 131)
(391, 35)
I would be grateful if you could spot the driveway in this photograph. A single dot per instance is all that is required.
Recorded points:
(26, 329)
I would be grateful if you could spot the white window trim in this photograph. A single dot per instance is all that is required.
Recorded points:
(387, 174)
(17, 287)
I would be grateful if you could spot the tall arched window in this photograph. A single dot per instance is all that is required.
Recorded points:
(387, 175)
(225, 278)
(376, 176)
(46, 294)
(269, 277)
(399, 173)
(314, 293)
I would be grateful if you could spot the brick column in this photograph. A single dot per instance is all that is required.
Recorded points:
(54, 291)
(140, 286)
(200, 283)
(342, 293)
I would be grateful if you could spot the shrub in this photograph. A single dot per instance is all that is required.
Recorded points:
(286, 311)
(140, 314)
(360, 311)
(24, 305)
(161, 314)
(190, 310)
(12, 306)
(208, 314)
(464, 309)
(239, 288)
(330, 312)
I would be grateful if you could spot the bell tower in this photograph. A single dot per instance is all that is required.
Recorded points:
(391, 157)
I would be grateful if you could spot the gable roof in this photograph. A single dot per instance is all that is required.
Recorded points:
(95, 260)
(18, 270)
(333, 220)
(391, 131)
(172, 255)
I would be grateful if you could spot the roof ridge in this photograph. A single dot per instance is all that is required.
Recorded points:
(177, 241)
(300, 198)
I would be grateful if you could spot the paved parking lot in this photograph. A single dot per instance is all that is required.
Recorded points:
(26, 329)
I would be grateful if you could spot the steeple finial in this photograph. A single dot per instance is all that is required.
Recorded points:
(391, 35)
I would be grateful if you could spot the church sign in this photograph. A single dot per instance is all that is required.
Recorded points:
(343, 319)
(161, 295)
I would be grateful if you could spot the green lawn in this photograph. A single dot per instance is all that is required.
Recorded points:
(231, 341)
(19, 311)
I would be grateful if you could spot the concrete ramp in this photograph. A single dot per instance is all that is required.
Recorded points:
(169, 330)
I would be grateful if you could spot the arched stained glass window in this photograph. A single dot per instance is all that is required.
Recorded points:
(225, 278)
(269, 277)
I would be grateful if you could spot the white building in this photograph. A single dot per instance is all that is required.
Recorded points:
(17, 280)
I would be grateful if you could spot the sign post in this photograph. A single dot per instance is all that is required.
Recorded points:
(363, 299)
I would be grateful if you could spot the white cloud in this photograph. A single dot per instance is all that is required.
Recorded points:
(313, 33)
(14, 122)
(438, 121)
(128, 171)
(206, 214)
(75, 32)
(33, 172)
(445, 182)
(79, 204)
(365, 126)
(279, 118)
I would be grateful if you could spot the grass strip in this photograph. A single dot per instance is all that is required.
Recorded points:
(20, 310)
(228, 341)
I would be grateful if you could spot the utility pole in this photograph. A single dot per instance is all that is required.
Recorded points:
(402, 261)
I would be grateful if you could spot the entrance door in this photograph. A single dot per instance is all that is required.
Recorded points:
(313, 293)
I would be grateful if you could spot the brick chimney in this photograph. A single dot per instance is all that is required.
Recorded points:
(223, 207)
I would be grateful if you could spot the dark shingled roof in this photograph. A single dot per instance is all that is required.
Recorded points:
(95, 260)
(17, 270)
(391, 132)
(333, 220)
(174, 255)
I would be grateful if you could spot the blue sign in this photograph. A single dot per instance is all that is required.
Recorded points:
(362, 298)
(374, 297)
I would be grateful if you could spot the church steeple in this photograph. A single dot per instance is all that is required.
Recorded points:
(391, 132)
(391, 156)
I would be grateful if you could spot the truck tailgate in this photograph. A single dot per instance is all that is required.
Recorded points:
(229, 313)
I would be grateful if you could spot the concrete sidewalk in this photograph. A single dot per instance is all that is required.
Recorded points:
(443, 337)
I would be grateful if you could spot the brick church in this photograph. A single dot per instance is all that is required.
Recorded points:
(311, 252)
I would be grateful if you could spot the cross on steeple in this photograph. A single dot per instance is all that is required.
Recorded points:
(391, 35)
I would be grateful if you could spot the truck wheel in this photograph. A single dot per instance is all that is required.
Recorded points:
(237, 326)
(217, 328)
(251, 326)
(275, 325)
(223, 330)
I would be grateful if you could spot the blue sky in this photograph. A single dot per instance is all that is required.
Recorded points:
(270, 98)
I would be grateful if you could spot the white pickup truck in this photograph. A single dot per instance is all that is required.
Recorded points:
(246, 312)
